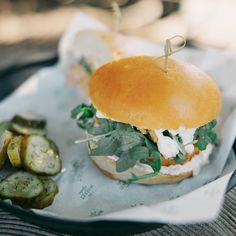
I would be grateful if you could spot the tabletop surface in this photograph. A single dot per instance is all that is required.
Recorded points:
(12, 225)
(224, 225)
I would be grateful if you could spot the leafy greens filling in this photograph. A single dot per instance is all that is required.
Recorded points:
(129, 144)
(205, 135)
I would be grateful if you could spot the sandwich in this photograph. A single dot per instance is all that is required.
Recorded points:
(147, 125)
(91, 49)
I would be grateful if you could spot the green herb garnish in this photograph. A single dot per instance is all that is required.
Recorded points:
(205, 135)
(136, 178)
(129, 144)
(122, 140)
(84, 63)
(83, 115)
(180, 158)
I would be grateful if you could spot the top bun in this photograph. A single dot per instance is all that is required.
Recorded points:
(136, 90)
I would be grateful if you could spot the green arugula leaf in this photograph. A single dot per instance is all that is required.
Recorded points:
(106, 146)
(153, 160)
(83, 111)
(121, 126)
(212, 135)
(83, 115)
(103, 126)
(179, 141)
(83, 62)
(136, 177)
(205, 135)
(150, 144)
(128, 139)
(122, 144)
(154, 153)
(203, 141)
(129, 158)
(180, 158)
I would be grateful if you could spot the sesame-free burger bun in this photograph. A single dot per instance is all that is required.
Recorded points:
(137, 91)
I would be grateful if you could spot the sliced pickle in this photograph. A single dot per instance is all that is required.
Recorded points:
(28, 123)
(4, 141)
(54, 146)
(22, 185)
(39, 156)
(13, 151)
(45, 198)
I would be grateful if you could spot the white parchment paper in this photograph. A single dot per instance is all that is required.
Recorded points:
(84, 192)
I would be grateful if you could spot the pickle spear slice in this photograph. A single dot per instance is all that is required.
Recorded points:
(39, 156)
(22, 185)
(13, 151)
(4, 141)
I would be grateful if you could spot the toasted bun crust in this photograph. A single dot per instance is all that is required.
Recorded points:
(108, 167)
(136, 90)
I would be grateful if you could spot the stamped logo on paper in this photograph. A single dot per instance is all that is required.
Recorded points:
(94, 213)
(122, 185)
(86, 191)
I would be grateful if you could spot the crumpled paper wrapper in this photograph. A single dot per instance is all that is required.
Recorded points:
(84, 192)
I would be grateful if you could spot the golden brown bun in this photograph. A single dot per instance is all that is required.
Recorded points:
(108, 167)
(136, 90)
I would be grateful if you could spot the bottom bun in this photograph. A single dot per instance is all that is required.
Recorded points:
(167, 174)
(108, 167)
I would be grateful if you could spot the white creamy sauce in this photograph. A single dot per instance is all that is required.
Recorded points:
(169, 148)
(187, 136)
(100, 115)
(115, 158)
(166, 145)
(189, 148)
(194, 165)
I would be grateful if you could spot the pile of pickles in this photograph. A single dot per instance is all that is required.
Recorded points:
(34, 156)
